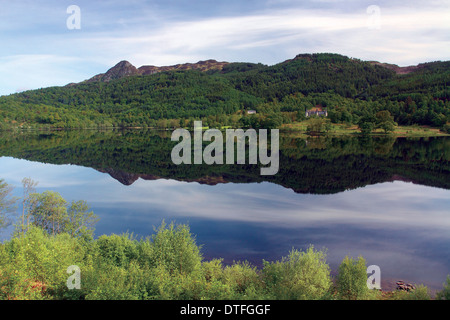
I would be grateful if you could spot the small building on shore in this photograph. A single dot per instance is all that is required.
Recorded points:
(318, 110)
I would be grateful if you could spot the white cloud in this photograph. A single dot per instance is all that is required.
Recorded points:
(407, 35)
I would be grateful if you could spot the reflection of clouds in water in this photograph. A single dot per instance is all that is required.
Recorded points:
(402, 227)
(400, 204)
(48, 175)
(391, 205)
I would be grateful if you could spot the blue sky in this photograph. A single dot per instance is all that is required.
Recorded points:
(38, 50)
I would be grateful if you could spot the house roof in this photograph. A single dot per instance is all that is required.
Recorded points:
(316, 108)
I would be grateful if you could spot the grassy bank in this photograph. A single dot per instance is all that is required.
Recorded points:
(344, 129)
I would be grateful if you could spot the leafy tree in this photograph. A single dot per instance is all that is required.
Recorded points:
(315, 125)
(385, 121)
(299, 276)
(366, 127)
(29, 187)
(174, 247)
(387, 126)
(51, 212)
(444, 294)
(243, 280)
(384, 116)
(80, 220)
(118, 250)
(351, 281)
(34, 265)
(328, 125)
(7, 203)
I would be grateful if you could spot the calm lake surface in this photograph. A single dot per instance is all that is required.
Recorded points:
(385, 199)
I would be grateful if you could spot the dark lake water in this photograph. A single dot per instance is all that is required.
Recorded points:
(385, 199)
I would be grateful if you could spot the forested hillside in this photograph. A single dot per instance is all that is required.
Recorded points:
(353, 91)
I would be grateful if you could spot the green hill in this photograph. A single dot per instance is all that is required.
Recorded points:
(219, 94)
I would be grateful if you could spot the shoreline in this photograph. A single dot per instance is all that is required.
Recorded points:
(296, 128)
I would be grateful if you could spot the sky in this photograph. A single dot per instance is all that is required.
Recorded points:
(48, 43)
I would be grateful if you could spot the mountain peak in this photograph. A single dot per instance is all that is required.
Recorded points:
(123, 63)
(125, 69)
(120, 70)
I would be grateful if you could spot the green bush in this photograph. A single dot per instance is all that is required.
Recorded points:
(213, 270)
(300, 276)
(7, 203)
(243, 279)
(351, 282)
(444, 294)
(446, 128)
(118, 249)
(420, 293)
(366, 127)
(34, 266)
(315, 125)
(169, 266)
(214, 285)
(174, 248)
(172, 285)
(107, 281)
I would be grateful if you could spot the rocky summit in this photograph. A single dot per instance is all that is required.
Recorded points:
(125, 69)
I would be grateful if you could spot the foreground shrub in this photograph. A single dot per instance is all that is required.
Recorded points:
(351, 282)
(117, 249)
(174, 248)
(214, 284)
(111, 282)
(34, 265)
(419, 293)
(166, 266)
(444, 294)
(446, 128)
(300, 276)
(244, 281)
(169, 266)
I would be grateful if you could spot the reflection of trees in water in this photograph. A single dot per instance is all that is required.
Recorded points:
(384, 146)
(322, 164)
(316, 142)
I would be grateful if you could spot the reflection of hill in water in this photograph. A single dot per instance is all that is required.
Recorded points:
(319, 165)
